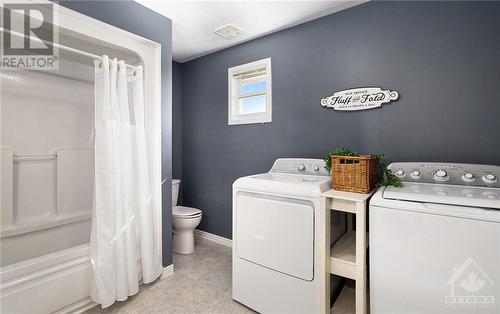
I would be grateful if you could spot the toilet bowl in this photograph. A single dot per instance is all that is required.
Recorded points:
(185, 220)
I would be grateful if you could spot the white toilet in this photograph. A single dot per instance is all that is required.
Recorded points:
(185, 220)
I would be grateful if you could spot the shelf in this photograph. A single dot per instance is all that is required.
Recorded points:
(348, 196)
(343, 256)
(345, 303)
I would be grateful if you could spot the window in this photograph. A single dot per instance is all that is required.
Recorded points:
(249, 89)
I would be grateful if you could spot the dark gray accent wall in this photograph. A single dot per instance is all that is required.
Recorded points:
(442, 57)
(137, 19)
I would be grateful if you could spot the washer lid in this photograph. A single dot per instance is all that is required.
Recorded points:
(289, 176)
(182, 211)
(445, 194)
(286, 184)
(380, 200)
(292, 178)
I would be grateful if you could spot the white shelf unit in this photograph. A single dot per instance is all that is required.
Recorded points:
(347, 257)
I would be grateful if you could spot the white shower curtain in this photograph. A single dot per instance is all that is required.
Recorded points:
(124, 247)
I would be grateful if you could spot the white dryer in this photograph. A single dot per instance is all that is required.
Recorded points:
(276, 237)
(435, 243)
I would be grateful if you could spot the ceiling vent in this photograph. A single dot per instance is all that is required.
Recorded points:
(229, 31)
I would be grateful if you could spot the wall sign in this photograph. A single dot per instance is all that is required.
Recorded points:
(359, 99)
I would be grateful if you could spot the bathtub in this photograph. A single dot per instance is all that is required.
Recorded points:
(56, 282)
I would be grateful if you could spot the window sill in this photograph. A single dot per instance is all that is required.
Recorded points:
(248, 121)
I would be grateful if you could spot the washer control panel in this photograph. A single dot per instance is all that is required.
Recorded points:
(448, 173)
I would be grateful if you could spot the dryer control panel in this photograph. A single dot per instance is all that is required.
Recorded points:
(448, 173)
(307, 166)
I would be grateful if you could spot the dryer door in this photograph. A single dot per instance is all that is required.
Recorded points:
(275, 232)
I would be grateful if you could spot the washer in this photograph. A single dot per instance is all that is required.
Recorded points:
(276, 236)
(435, 243)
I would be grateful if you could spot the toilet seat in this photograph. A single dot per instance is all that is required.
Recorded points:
(185, 212)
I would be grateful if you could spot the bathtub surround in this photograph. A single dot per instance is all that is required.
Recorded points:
(439, 56)
(63, 177)
(177, 123)
(47, 129)
(176, 120)
(151, 25)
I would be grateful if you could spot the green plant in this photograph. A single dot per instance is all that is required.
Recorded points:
(338, 152)
(387, 178)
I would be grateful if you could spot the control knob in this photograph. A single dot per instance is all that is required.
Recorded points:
(489, 178)
(301, 167)
(416, 174)
(316, 168)
(468, 177)
(400, 173)
(440, 175)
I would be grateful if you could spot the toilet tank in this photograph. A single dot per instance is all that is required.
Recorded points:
(175, 191)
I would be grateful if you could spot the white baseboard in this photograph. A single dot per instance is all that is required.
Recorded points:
(212, 237)
(167, 271)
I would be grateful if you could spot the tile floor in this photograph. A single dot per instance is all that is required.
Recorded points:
(201, 283)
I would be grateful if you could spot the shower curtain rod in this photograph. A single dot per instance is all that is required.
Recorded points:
(88, 54)
(63, 47)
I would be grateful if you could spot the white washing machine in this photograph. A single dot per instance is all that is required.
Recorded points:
(276, 237)
(435, 243)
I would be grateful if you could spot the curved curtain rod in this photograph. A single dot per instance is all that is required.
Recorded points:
(77, 51)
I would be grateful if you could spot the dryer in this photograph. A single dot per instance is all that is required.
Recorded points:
(277, 227)
(435, 242)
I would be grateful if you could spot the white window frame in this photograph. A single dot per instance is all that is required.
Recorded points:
(234, 93)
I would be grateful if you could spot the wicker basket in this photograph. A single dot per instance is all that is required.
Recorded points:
(355, 173)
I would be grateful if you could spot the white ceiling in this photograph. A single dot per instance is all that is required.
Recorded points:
(194, 21)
